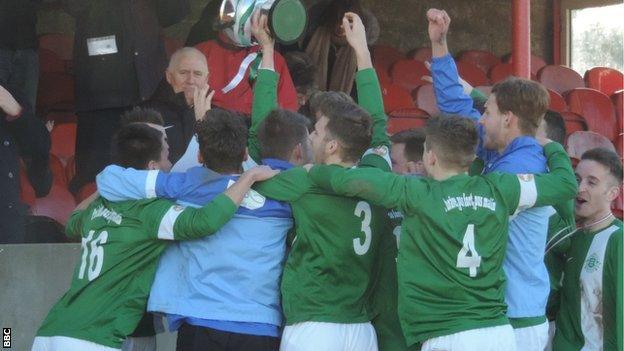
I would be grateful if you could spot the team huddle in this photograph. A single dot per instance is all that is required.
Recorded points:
(288, 236)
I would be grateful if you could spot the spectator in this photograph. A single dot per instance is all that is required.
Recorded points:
(186, 79)
(552, 127)
(303, 72)
(331, 54)
(20, 131)
(227, 59)
(119, 59)
(407, 152)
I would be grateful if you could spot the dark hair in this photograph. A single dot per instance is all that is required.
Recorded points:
(280, 133)
(350, 125)
(142, 115)
(302, 71)
(607, 158)
(454, 140)
(414, 140)
(135, 145)
(321, 98)
(335, 10)
(555, 126)
(527, 100)
(222, 138)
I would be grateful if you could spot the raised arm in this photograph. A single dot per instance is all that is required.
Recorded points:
(372, 184)
(116, 183)
(449, 92)
(368, 89)
(265, 88)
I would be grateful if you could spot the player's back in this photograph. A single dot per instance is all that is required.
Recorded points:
(111, 282)
(450, 258)
(331, 268)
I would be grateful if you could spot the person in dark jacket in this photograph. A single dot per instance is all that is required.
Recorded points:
(119, 60)
(182, 98)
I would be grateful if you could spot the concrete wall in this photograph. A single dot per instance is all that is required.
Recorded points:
(476, 24)
(33, 278)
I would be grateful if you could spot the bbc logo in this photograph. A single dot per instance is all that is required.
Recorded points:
(6, 338)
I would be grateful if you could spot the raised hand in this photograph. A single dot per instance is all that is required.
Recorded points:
(260, 29)
(8, 104)
(202, 101)
(354, 31)
(439, 22)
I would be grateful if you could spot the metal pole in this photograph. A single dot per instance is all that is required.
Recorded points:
(521, 51)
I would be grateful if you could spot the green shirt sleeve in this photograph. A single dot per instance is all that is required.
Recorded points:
(523, 191)
(264, 101)
(370, 99)
(185, 223)
(478, 97)
(286, 186)
(73, 228)
(612, 293)
(372, 184)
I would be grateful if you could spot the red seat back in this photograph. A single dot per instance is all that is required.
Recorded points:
(408, 73)
(58, 204)
(596, 108)
(425, 99)
(472, 74)
(403, 119)
(536, 62)
(55, 89)
(395, 97)
(420, 54)
(484, 60)
(61, 44)
(573, 122)
(557, 102)
(500, 72)
(385, 56)
(63, 138)
(607, 80)
(50, 62)
(618, 102)
(619, 147)
(559, 78)
(579, 142)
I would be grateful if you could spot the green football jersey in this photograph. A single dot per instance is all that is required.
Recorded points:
(121, 245)
(590, 315)
(453, 238)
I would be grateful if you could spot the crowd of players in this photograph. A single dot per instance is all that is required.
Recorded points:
(337, 237)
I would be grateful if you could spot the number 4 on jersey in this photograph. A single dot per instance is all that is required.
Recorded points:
(473, 261)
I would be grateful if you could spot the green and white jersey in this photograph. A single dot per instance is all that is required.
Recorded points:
(590, 315)
(121, 245)
(453, 238)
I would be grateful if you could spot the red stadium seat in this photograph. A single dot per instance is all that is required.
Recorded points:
(70, 169)
(619, 145)
(63, 138)
(382, 74)
(403, 119)
(485, 60)
(61, 44)
(50, 62)
(58, 170)
(55, 89)
(408, 73)
(85, 192)
(500, 72)
(425, 99)
(60, 116)
(579, 142)
(172, 45)
(618, 204)
(596, 108)
(58, 205)
(385, 56)
(618, 102)
(573, 122)
(536, 62)
(560, 78)
(396, 97)
(607, 80)
(420, 54)
(472, 74)
(557, 102)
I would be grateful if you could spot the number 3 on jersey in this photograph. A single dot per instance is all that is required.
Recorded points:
(363, 210)
(473, 261)
(96, 258)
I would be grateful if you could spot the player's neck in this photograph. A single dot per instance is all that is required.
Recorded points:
(441, 174)
(336, 160)
(599, 221)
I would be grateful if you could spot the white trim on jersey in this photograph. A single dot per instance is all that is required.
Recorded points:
(64, 343)
(165, 230)
(381, 151)
(528, 192)
(591, 290)
(150, 184)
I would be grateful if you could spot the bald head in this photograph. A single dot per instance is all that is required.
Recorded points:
(188, 69)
